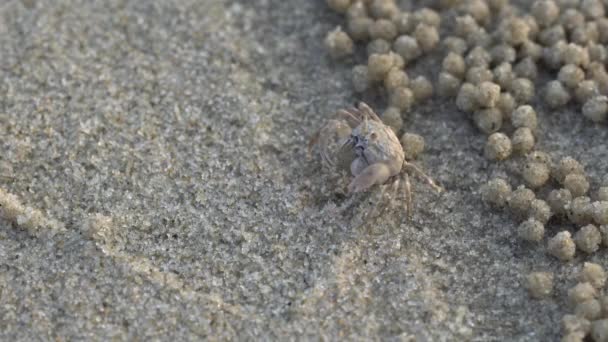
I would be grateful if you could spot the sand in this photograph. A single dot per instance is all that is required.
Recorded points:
(168, 140)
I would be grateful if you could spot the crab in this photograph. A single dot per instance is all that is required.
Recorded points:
(373, 150)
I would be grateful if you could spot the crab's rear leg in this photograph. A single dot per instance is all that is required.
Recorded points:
(408, 195)
(421, 174)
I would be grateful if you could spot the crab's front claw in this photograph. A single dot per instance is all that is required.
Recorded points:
(377, 173)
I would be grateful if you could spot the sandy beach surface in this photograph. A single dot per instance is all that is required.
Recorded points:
(165, 144)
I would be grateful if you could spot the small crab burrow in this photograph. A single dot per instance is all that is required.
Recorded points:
(373, 151)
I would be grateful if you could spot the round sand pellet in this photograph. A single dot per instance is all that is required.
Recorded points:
(535, 174)
(514, 31)
(504, 75)
(396, 78)
(524, 116)
(556, 95)
(598, 54)
(520, 201)
(378, 47)
(580, 293)
(559, 200)
(596, 108)
(405, 22)
(398, 61)
(580, 211)
(456, 45)
(465, 26)
(552, 56)
(413, 145)
(540, 284)
(531, 230)
(586, 90)
(522, 90)
(478, 9)
(422, 88)
(498, 147)
(533, 28)
(357, 9)
(378, 66)
(488, 94)
(593, 274)
(573, 323)
(539, 157)
(575, 54)
(383, 9)
(531, 49)
(585, 35)
(594, 68)
(448, 85)
(496, 192)
(600, 212)
(339, 5)
(566, 166)
(488, 120)
(478, 57)
(478, 75)
(540, 211)
(427, 16)
(454, 64)
(577, 336)
(392, 117)
(571, 75)
(588, 239)
(358, 28)
(551, 35)
(479, 37)
(466, 100)
(592, 8)
(402, 98)
(360, 78)
(427, 36)
(604, 231)
(589, 309)
(571, 19)
(523, 140)
(545, 12)
(407, 47)
(383, 29)
(562, 246)
(506, 103)
(526, 68)
(599, 330)
(577, 184)
(498, 5)
(602, 193)
(339, 44)
(503, 53)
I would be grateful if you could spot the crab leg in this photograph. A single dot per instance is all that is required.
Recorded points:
(423, 175)
(408, 195)
(368, 112)
(353, 121)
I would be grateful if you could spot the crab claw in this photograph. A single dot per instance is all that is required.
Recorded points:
(377, 173)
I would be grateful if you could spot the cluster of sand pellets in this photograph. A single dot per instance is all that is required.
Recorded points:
(493, 54)
(587, 300)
